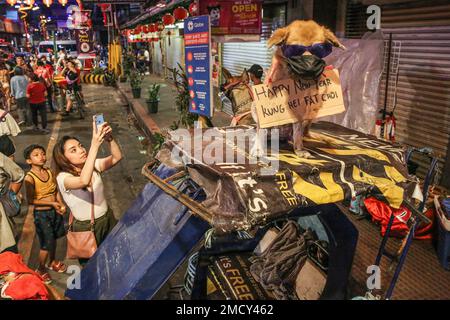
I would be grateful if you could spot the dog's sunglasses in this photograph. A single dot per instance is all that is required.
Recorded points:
(320, 50)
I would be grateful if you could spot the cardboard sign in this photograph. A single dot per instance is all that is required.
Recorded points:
(289, 101)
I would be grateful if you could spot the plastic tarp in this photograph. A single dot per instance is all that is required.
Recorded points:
(145, 248)
(360, 68)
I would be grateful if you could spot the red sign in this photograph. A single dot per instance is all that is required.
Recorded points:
(233, 16)
(195, 39)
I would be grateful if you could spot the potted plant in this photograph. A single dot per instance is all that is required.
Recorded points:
(128, 63)
(153, 98)
(136, 84)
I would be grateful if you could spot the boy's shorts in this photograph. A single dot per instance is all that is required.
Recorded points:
(49, 227)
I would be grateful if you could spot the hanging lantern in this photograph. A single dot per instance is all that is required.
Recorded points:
(180, 13)
(12, 2)
(168, 19)
(62, 2)
(145, 29)
(48, 3)
(153, 27)
(160, 27)
(138, 29)
(193, 9)
(29, 2)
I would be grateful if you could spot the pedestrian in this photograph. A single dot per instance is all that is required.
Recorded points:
(147, 60)
(256, 72)
(19, 85)
(37, 96)
(72, 75)
(11, 177)
(27, 70)
(48, 212)
(5, 86)
(80, 182)
(44, 75)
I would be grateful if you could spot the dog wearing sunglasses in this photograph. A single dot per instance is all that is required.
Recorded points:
(301, 47)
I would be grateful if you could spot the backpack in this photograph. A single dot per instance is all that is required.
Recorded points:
(10, 202)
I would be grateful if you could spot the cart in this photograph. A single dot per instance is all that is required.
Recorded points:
(170, 219)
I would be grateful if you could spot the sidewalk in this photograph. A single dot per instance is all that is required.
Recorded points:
(167, 113)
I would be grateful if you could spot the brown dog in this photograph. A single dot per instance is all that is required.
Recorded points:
(299, 32)
(301, 47)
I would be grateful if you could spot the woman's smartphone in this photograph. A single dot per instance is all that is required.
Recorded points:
(99, 120)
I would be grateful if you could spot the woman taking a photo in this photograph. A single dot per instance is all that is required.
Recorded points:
(80, 182)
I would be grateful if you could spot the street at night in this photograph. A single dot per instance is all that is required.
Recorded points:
(205, 150)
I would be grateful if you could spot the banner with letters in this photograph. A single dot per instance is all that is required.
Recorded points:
(343, 163)
(233, 16)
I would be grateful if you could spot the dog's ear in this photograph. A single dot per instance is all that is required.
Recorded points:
(226, 74)
(278, 37)
(330, 37)
(244, 76)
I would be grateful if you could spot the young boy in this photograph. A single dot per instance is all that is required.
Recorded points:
(48, 209)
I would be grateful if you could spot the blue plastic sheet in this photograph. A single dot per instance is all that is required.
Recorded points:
(145, 248)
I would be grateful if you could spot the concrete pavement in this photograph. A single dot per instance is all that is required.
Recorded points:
(167, 111)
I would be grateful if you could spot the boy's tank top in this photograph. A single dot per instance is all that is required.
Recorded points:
(43, 189)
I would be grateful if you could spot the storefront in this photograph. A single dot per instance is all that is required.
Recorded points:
(420, 33)
(237, 56)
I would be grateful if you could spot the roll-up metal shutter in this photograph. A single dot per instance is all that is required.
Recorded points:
(423, 89)
(237, 56)
(157, 59)
(174, 53)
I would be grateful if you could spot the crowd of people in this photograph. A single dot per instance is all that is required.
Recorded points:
(76, 180)
(30, 86)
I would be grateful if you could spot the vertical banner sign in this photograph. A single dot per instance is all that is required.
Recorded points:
(84, 41)
(197, 42)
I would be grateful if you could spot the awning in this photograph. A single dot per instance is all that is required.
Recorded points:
(150, 12)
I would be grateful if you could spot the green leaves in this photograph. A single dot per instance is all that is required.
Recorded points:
(153, 92)
(186, 119)
(136, 79)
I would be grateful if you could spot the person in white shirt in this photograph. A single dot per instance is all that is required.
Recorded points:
(78, 175)
(147, 60)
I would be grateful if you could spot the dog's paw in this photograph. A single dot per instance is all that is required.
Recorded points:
(303, 154)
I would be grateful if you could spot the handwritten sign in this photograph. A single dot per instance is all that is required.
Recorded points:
(290, 101)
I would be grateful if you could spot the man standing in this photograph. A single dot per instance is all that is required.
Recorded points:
(19, 91)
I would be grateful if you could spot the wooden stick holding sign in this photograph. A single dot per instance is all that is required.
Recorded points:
(289, 101)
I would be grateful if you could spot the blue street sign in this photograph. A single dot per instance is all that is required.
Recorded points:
(197, 41)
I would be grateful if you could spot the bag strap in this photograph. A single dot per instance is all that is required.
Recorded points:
(92, 212)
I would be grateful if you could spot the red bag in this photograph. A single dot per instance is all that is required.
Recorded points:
(381, 213)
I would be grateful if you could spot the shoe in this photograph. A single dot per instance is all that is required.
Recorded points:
(45, 131)
(21, 123)
(57, 266)
(45, 276)
(65, 113)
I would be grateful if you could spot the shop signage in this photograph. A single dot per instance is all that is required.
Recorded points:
(114, 1)
(197, 42)
(233, 16)
(84, 41)
(286, 101)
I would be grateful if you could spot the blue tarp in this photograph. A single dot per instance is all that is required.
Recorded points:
(145, 248)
